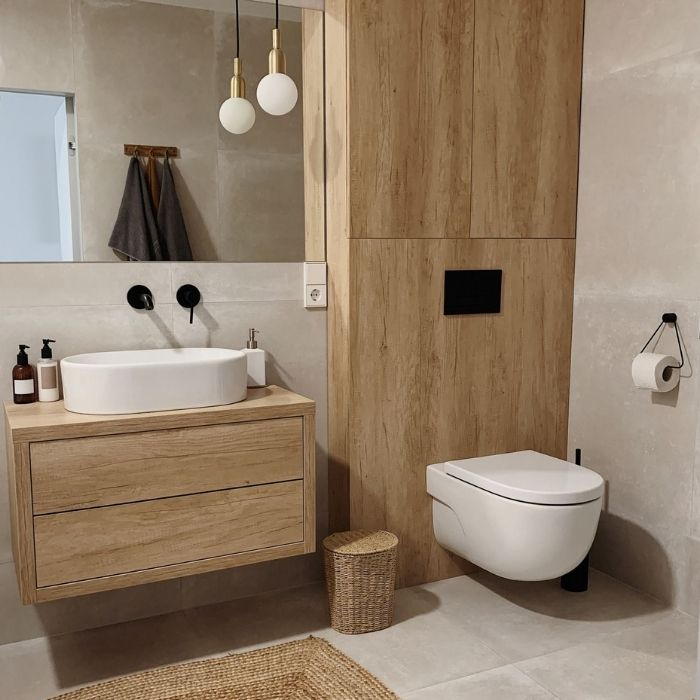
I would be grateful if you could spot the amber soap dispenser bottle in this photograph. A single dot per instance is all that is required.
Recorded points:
(23, 378)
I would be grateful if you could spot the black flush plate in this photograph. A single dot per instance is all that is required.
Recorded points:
(472, 292)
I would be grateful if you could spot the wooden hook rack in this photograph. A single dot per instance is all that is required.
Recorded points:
(132, 149)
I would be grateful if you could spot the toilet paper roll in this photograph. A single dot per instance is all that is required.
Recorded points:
(656, 372)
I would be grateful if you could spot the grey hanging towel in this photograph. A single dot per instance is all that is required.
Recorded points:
(135, 233)
(171, 224)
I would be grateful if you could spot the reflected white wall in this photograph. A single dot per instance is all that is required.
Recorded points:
(65, 218)
(33, 152)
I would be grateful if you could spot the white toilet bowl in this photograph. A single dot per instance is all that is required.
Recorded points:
(523, 515)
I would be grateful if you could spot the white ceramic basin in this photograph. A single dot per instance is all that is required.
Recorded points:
(137, 381)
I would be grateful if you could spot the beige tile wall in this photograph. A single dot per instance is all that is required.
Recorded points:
(638, 255)
(84, 307)
(41, 24)
(261, 173)
(156, 74)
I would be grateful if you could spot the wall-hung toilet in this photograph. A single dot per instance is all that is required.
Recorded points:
(523, 515)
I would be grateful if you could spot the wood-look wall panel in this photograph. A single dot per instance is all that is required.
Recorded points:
(410, 117)
(527, 88)
(428, 387)
(314, 167)
(338, 251)
(499, 383)
(386, 376)
(409, 386)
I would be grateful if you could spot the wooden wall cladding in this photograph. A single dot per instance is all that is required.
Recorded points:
(527, 89)
(410, 117)
(409, 386)
(338, 252)
(428, 388)
(312, 104)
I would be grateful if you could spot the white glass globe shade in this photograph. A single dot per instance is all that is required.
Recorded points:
(237, 115)
(277, 94)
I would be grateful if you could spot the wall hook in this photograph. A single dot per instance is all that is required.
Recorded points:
(673, 319)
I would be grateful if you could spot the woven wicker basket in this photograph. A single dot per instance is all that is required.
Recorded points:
(360, 578)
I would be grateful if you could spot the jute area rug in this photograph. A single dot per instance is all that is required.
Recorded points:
(308, 669)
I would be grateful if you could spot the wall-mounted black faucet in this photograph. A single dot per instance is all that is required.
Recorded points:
(140, 297)
(188, 297)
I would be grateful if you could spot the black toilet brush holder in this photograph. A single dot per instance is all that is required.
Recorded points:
(576, 581)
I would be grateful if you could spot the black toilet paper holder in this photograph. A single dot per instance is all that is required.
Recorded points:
(668, 318)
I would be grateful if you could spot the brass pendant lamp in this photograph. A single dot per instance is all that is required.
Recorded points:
(277, 93)
(237, 114)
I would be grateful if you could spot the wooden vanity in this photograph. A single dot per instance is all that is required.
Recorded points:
(104, 502)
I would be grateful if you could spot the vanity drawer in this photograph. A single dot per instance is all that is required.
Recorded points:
(117, 539)
(100, 471)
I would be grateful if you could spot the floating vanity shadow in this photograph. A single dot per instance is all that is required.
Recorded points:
(472, 292)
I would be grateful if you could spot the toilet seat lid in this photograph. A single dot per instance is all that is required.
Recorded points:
(530, 477)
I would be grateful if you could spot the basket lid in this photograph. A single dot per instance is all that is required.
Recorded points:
(360, 542)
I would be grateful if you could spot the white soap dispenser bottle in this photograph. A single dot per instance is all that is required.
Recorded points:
(47, 373)
(256, 360)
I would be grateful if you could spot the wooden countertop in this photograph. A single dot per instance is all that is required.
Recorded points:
(51, 421)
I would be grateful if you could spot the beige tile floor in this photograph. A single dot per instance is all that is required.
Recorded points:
(468, 637)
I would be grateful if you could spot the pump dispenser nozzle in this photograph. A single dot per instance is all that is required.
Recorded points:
(46, 353)
(252, 343)
(22, 357)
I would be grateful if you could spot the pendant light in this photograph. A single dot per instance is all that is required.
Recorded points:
(237, 115)
(277, 93)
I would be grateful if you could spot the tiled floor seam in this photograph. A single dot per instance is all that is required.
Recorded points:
(453, 679)
(477, 673)
(535, 681)
(513, 662)
(597, 640)
(456, 678)
(506, 661)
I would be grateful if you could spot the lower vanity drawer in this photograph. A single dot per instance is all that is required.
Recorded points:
(86, 544)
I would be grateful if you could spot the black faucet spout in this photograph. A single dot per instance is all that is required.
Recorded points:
(141, 298)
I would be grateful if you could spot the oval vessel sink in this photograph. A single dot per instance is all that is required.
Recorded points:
(138, 381)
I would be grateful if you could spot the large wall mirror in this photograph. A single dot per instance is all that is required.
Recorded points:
(83, 82)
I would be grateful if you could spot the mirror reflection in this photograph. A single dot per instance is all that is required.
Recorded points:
(112, 143)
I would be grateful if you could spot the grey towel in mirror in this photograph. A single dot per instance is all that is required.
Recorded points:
(135, 233)
(171, 224)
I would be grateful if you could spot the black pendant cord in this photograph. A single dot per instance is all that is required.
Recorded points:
(277, 14)
(668, 318)
(238, 33)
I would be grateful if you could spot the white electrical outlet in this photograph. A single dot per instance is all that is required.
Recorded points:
(315, 286)
(315, 296)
